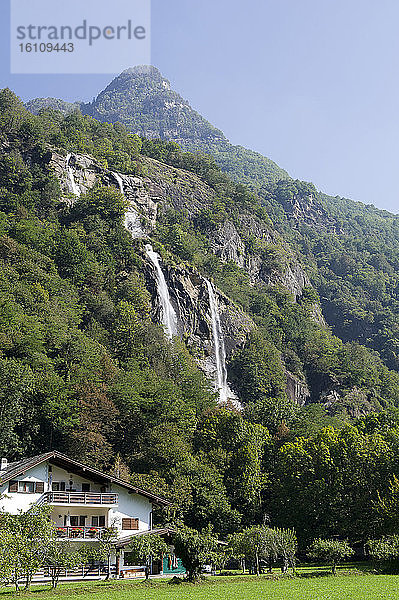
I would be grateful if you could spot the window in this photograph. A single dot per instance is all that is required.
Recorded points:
(85, 487)
(98, 521)
(58, 486)
(129, 559)
(78, 520)
(26, 487)
(130, 523)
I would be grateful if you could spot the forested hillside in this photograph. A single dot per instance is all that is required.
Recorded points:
(350, 250)
(86, 368)
(352, 253)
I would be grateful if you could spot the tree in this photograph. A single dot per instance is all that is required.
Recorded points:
(258, 375)
(103, 549)
(24, 539)
(254, 544)
(328, 484)
(16, 385)
(8, 564)
(387, 505)
(286, 546)
(330, 551)
(60, 555)
(260, 542)
(384, 549)
(104, 201)
(195, 549)
(147, 547)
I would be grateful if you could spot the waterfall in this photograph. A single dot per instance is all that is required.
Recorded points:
(119, 181)
(74, 188)
(168, 314)
(218, 341)
(132, 218)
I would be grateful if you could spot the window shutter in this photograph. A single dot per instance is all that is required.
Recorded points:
(130, 523)
(39, 487)
(13, 486)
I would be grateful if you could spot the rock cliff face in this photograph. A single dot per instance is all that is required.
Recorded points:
(184, 191)
(308, 210)
(297, 390)
(149, 196)
(166, 187)
(190, 299)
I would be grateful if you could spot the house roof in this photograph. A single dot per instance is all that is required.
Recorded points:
(15, 469)
(167, 531)
(125, 541)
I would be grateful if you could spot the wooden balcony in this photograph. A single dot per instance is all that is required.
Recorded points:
(84, 498)
(79, 533)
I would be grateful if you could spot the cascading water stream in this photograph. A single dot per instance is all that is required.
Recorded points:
(74, 188)
(168, 314)
(218, 341)
(132, 218)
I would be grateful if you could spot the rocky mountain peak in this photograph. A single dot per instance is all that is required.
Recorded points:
(142, 70)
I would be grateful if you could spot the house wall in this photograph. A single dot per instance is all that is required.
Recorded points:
(14, 502)
(58, 513)
(130, 505)
(67, 476)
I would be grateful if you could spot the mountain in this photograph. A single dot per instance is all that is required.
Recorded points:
(38, 104)
(350, 250)
(144, 102)
(135, 280)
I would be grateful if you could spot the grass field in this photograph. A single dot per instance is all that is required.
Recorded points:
(341, 587)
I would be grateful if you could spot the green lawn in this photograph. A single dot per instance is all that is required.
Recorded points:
(341, 587)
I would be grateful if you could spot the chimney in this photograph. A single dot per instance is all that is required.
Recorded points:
(3, 464)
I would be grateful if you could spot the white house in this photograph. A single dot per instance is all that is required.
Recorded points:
(84, 500)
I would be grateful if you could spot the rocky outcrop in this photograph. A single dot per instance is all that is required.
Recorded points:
(85, 169)
(306, 209)
(303, 208)
(185, 192)
(297, 389)
(356, 402)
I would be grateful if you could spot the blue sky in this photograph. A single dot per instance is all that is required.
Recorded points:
(313, 84)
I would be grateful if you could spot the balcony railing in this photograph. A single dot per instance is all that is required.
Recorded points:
(78, 498)
(80, 533)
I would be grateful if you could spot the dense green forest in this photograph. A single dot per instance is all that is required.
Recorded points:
(84, 369)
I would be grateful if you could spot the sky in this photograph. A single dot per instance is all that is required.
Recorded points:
(313, 85)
